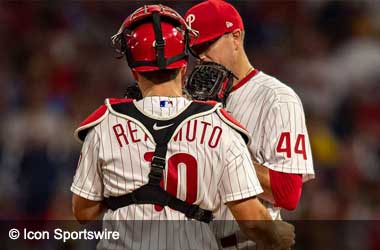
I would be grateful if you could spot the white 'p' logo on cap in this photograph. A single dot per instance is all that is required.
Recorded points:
(190, 19)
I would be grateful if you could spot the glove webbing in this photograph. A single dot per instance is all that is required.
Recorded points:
(210, 81)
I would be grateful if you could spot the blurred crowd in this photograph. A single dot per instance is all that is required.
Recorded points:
(57, 66)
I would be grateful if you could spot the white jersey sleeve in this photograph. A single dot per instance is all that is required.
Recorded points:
(285, 145)
(239, 179)
(87, 181)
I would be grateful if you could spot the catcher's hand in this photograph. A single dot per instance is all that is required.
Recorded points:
(210, 81)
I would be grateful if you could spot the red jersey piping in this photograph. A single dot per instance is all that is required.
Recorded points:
(245, 79)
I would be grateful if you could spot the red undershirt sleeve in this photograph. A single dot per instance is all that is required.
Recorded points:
(286, 189)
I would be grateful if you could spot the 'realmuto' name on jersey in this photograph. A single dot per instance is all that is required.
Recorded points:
(210, 135)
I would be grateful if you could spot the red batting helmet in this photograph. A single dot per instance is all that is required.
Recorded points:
(153, 37)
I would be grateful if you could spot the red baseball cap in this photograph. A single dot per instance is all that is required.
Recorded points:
(212, 19)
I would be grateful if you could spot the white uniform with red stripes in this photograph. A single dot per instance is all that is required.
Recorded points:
(208, 164)
(274, 117)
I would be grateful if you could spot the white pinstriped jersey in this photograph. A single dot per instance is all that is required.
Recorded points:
(274, 117)
(208, 164)
(273, 114)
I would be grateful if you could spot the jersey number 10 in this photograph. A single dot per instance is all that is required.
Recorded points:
(172, 175)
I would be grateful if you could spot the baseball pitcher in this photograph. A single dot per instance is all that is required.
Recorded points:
(270, 110)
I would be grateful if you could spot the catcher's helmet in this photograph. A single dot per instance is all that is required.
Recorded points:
(154, 37)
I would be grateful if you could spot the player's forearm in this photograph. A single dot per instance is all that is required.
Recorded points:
(264, 178)
(253, 218)
(85, 210)
(255, 221)
(263, 233)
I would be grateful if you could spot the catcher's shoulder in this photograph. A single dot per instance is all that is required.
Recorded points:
(208, 102)
(232, 122)
(96, 117)
(228, 117)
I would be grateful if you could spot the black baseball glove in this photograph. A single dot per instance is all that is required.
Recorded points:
(210, 81)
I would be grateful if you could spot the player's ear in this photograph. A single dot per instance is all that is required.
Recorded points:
(237, 36)
(183, 71)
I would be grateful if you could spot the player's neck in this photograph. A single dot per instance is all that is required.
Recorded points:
(170, 88)
(242, 68)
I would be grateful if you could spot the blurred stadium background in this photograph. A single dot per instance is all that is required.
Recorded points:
(57, 66)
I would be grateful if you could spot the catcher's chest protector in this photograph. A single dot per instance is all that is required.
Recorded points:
(152, 193)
